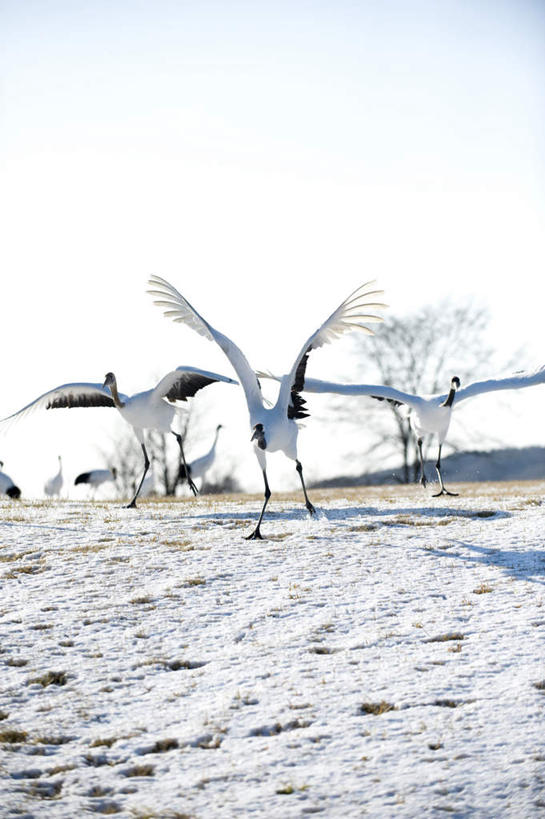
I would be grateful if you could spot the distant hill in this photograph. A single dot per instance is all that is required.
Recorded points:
(496, 465)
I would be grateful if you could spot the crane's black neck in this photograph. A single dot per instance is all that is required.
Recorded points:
(450, 397)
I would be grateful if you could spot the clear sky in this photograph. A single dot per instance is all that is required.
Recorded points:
(266, 157)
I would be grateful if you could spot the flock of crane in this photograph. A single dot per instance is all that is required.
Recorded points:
(273, 428)
(96, 478)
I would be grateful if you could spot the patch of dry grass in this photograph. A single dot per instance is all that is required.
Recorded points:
(442, 638)
(484, 588)
(49, 678)
(376, 708)
(12, 736)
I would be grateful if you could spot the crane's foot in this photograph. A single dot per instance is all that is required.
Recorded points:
(256, 535)
(311, 508)
(445, 492)
(423, 481)
(131, 505)
(193, 487)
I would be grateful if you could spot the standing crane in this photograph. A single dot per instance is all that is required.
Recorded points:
(53, 486)
(96, 477)
(200, 466)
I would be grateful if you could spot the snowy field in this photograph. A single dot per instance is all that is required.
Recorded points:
(386, 659)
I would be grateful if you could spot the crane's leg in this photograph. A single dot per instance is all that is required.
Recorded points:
(442, 490)
(132, 504)
(423, 479)
(189, 478)
(308, 504)
(256, 534)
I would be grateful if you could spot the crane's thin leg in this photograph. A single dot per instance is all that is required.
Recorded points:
(132, 504)
(256, 534)
(189, 478)
(423, 479)
(442, 491)
(308, 504)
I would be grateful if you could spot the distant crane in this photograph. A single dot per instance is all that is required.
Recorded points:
(430, 414)
(273, 428)
(7, 487)
(53, 486)
(96, 477)
(143, 410)
(200, 466)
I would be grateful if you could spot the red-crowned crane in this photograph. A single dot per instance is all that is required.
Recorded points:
(7, 487)
(96, 477)
(53, 486)
(273, 428)
(143, 411)
(200, 466)
(429, 414)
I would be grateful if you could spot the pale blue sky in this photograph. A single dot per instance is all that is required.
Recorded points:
(266, 158)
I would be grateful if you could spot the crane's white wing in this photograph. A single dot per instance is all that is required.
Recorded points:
(352, 314)
(176, 307)
(80, 394)
(183, 382)
(378, 391)
(516, 381)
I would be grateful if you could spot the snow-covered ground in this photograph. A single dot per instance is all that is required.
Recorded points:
(386, 659)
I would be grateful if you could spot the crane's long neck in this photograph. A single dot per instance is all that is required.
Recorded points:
(115, 395)
(450, 397)
(216, 436)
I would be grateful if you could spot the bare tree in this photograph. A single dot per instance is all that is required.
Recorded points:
(165, 455)
(419, 353)
(123, 456)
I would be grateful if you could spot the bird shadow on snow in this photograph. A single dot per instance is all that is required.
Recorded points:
(298, 514)
(422, 511)
(280, 515)
(520, 564)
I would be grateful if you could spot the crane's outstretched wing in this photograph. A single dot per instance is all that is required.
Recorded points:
(183, 382)
(80, 394)
(176, 307)
(516, 381)
(352, 314)
(379, 391)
